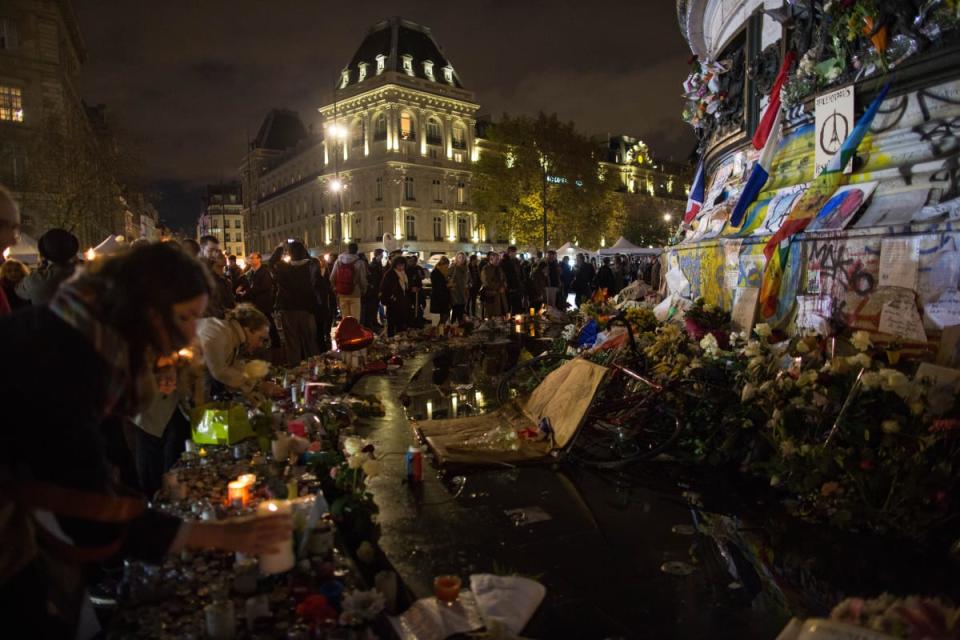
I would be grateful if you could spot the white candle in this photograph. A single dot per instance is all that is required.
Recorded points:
(479, 397)
(283, 560)
(280, 447)
(429, 410)
(454, 401)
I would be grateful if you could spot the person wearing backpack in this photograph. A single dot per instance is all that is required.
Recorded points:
(349, 279)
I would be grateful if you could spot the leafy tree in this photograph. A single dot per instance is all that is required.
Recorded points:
(532, 159)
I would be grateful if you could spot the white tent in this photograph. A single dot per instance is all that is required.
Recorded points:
(25, 250)
(625, 247)
(110, 245)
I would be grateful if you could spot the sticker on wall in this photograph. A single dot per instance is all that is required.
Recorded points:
(842, 207)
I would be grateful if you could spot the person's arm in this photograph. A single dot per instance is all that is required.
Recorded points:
(252, 535)
(217, 349)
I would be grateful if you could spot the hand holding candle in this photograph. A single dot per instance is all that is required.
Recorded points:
(280, 558)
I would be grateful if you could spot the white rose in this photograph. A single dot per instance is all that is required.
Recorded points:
(860, 360)
(752, 349)
(861, 340)
(256, 369)
(763, 330)
(352, 446)
(709, 344)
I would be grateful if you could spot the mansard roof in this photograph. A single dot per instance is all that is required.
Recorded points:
(281, 129)
(395, 38)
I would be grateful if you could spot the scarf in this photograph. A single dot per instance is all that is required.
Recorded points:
(76, 305)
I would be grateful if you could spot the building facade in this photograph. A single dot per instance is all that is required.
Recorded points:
(223, 218)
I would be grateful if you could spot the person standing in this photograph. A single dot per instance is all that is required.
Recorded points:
(554, 281)
(605, 277)
(474, 284)
(393, 296)
(326, 303)
(494, 292)
(459, 278)
(619, 276)
(511, 271)
(296, 303)
(222, 298)
(256, 287)
(349, 280)
(415, 294)
(233, 271)
(9, 236)
(371, 297)
(583, 279)
(440, 290)
(58, 252)
(566, 277)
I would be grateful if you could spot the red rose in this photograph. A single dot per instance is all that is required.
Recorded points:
(316, 609)
(945, 424)
(866, 464)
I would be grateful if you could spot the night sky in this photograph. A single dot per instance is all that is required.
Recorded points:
(191, 81)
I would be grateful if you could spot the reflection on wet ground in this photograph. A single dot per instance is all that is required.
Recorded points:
(657, 551)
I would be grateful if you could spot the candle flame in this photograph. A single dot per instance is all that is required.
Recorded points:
(90, 254)
(186, 353)
(272, 506)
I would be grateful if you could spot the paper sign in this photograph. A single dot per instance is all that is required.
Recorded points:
(677, 282)
(948, 355)
(899, 259)
(938, 376)
(833, 117)
(900, 317)
(744, 309)
(731, 264)
(813, 314)
(945, 312)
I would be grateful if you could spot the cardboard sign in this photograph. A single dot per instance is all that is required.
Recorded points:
(833, 116)
(900, 317)
(744, 309)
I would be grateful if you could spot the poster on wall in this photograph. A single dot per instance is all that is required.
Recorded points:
(842, 207)
(833, 118)
(779, 208)
(892, 208)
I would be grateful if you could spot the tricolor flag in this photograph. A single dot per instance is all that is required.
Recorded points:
(759, 173)
(777, 250)
(766, 122)
(695, 200)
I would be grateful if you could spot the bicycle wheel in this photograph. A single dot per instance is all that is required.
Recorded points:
(625, 436)
(524, 378)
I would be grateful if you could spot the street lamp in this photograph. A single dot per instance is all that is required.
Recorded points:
(667, 217)
(339, 134)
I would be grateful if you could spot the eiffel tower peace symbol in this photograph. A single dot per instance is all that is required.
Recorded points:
(834, 132)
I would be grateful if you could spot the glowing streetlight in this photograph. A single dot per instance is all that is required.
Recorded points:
(336, 185)
(337, 131)
(667, 217)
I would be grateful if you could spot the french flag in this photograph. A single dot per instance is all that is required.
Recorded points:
(695, 200)
(760, 173)
(766, 122)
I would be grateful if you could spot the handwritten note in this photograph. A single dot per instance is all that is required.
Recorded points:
(899, 317)
(744, 309)
(899, 259)
(945, 312)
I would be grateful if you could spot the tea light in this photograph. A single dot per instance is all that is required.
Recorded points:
(238, 491)
(454, 402)
(248, 478)
(282, 560)
(533, 312)
(429, 410)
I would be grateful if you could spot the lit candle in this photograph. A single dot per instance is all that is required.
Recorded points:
(90, 254)
(248, 478)
(533, 312)
(454, 401)
(517, 328)
(238, 492)
(479, 397)
(186, 354)
(429, 410)
(282, 560)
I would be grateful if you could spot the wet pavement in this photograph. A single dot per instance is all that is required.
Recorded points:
(628, 555)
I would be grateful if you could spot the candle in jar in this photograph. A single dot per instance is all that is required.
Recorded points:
(454, 402)
(533, 312)
(238, 493)
(248, 478)
(479, 397)
(282, 560)
(429, 410)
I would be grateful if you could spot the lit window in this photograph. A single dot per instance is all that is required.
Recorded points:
(226, 236)
(459, 137)
(438, 228)
(448, 74)
(461, 193)
(408, 188)
(11, 104)
(380, 127)
(344, 78)
(406, 127)
(381, 63)
(428, 69)
(411, 227)
(8, 34)
(434, 132)
(363, 71)
(458, 156)
(407, 64)
(437, 191)
(380, 188)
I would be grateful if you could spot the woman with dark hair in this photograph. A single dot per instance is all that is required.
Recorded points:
(440, 290)
(58, 252)
(295, 274)
(473, 267)
(459, 278)
(83, 362)
(393, 296)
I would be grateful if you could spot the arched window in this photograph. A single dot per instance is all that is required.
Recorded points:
(434, 132)
(380, 127)
(407, 129)
(459, 136)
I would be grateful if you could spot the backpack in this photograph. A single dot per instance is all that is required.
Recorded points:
(344, 281)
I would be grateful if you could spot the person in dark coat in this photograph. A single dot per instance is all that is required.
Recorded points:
(440, 290)
(371, 297)
(583, 279)
(415, 294)
(296, 304)
(511, 271)
(473, 265)
(58, 251)
(605, 277)
(393, 296)
(256, 287)
(85, 361)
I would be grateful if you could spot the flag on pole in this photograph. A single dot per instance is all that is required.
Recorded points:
(695, 199)
(760, 172)
(777, 250)
(767, 120)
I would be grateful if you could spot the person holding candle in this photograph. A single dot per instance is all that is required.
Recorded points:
(245, 329)
(83, 363)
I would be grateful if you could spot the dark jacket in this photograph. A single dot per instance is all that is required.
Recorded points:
(511, 271)
(296, 283)
(605, 279)
(391, 291)
(258, 289)
(583, 278)
(439, 293)
(374, 278)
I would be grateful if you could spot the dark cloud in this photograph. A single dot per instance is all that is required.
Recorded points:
(192, 80)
